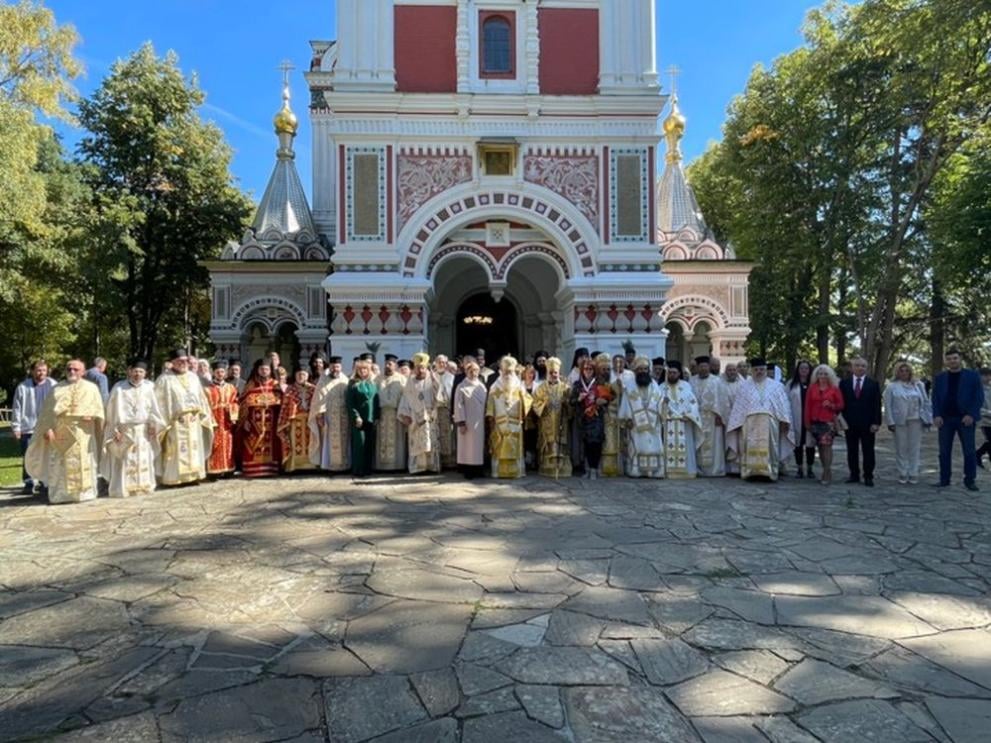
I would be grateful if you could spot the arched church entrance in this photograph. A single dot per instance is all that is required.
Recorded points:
(260, 340)
(511, 310)
(482, 322)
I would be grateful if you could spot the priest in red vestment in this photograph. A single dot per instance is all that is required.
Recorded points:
(294, 430)
(259, 417)
(224, 405)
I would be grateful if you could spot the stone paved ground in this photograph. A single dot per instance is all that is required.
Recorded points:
(422, 610)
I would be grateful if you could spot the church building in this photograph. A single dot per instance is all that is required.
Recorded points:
(484, 175)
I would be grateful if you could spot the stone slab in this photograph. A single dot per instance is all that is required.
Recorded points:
(361, 708)
(625, 714)
(721, 693)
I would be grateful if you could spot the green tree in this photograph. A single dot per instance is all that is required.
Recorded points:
(36, 69)
(164, 198)
(831, 158)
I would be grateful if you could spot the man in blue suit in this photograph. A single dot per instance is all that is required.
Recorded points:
(957, 400)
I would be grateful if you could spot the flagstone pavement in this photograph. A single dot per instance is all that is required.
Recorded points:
(430, 610)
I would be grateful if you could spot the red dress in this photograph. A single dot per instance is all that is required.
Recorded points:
(259, 416)
(224, 404)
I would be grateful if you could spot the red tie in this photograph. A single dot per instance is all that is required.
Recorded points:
(856, 391)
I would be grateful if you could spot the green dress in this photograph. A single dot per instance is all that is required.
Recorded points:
(363, 403)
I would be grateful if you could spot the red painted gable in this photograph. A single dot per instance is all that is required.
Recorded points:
(426, 59)
(569, 51)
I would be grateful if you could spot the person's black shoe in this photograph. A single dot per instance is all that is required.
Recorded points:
(942, 484)
(869, 482)
(852, 479)
(28, 489)
(800, 475)
(971, 486)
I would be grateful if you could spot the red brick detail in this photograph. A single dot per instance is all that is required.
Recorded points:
(569, 51)
(605, 195)
(510, 17)
(425, 55)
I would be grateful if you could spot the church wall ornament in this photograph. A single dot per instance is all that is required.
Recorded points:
(423, 173)
(387, 320)
(573, 175)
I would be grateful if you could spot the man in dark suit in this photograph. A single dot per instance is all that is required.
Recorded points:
(958, 397)
(862, 411)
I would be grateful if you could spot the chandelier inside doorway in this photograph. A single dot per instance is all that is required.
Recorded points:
(478, 320)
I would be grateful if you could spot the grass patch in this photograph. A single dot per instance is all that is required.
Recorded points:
(10, 461)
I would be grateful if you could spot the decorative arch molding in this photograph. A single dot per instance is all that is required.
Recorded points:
(545, 251)
(564, 225)
(463, 249)
(691, 309)
(253, 310)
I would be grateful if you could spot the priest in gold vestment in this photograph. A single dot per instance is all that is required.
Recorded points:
(507, 407)
(552, 405)
(187, 439)
(65, 447)
(418, 412)
(390, 444)
(330, 426)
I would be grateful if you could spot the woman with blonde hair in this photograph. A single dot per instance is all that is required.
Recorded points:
(906, 411)
(823, 404)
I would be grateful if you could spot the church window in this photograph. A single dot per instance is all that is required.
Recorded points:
(498, 47)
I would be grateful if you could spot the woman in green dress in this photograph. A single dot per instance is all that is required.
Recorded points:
(363, 412)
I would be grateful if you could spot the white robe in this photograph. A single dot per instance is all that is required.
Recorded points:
(682, 429)
(188, 437)
(760, 412)
(129, 465)
(419, 403)
(445, 427)
(330, 447)
(732, 437)
(469, 408)
(713, 400)
(641, 409)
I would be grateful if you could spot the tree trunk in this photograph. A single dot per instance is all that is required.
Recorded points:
(937, 328)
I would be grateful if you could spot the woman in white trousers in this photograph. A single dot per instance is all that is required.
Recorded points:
(907, 411)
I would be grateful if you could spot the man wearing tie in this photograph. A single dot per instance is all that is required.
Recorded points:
(862, 411)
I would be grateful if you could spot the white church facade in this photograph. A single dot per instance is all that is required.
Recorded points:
(483, 176)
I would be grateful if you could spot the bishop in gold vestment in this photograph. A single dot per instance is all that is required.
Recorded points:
(418, 412)
(188, 436)
(390, 444)
(65, 447)
(507, 408)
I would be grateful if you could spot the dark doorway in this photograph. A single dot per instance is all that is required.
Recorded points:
(485, 323)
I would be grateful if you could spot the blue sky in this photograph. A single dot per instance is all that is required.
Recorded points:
(236, 47)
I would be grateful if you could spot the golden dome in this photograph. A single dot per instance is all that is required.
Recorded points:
(285, 120)
(675, 122)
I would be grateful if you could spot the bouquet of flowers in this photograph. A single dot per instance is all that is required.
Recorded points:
(590, 398)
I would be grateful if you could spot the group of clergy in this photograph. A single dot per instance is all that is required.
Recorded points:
(604, 419)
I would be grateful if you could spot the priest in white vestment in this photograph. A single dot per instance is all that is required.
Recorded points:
(469, 418)
(762, 416)
(640, 412)
(713, 400)
(682, 425)
(445, 424)
(130, 435)
(732, 382)
(390, 443)
(187, 438)
(64, 450)
(418, 412)
(507, 407)
(330, 425)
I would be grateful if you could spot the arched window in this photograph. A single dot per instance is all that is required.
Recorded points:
(497, 46)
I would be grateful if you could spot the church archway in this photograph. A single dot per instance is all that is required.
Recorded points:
(481, 322)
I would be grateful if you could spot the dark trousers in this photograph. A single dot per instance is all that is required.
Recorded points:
(951, 428)
(25, 440)
(860, 439)
(986, 446)
(810, 453)
(593, 453)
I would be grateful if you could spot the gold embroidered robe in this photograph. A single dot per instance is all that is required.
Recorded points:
(552, 404)
(507, 406)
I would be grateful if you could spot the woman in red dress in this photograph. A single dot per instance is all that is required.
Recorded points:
(259, 417)
(823, 405)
